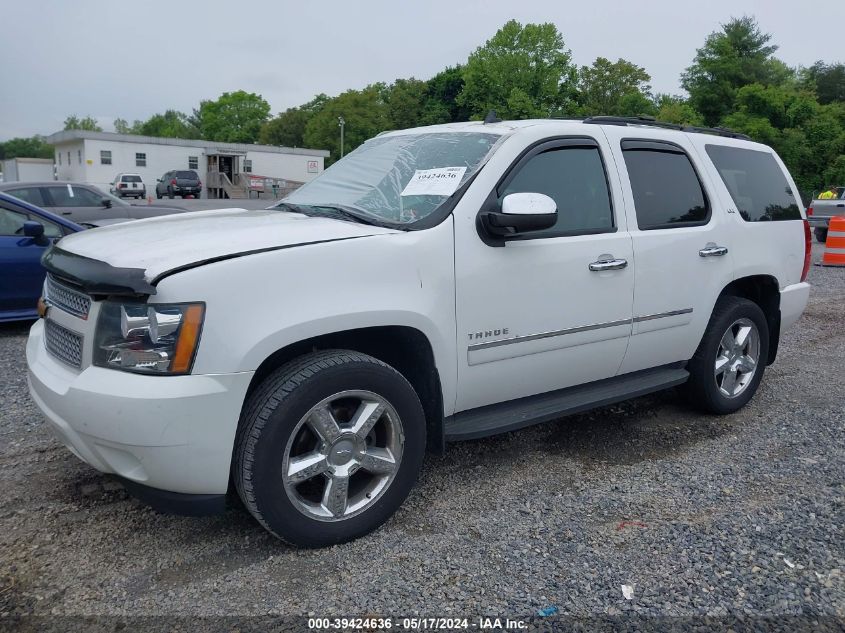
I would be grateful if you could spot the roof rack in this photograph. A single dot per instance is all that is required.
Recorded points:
(651, 121)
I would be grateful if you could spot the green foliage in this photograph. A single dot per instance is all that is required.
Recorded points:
(33, 147)
(171, 124)
(121, 126)
(677, 110)
(826, 80)
(89, 123)
(614, 88)
(734, 57)
(521, 72)
(364, 111)
(405, 102)
(442, 92)
(288, 129)
(235, 117)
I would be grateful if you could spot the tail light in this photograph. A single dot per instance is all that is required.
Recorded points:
(808, 246)
(810, 210)
(120, 185)
(173, 182)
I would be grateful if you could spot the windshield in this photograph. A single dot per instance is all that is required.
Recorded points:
(187, 175)
(399, 179)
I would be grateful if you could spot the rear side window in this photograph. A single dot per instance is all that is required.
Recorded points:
(131, 179)
(187, 175)
(31, 195)
(756, 183)
(667, 191)
(574, 178)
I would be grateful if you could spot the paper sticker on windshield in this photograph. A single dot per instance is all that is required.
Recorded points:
(434, 182)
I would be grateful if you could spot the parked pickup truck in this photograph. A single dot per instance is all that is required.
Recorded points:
(438, 284)
(820, 211)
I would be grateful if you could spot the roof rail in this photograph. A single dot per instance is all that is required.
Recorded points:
(651, 121)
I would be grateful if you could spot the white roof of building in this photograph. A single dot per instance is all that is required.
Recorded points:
(68, 136)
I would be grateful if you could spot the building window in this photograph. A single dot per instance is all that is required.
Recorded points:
(247, 166)
(68, 157)
(193, 162)
(79, 156)
(59, 156)
(105, 157)
(140, 159)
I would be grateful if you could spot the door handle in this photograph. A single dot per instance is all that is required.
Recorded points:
(840, 205)
(66, 212)
(711, 250)
(608, 264)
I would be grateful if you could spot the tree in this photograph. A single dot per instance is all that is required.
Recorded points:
(734, 57)
(235, 117)
(89, 123)
(827, 80)
(32, 147)
(121, 126)
(171, 124)
(405, 101)
(365, 115)
(288, 128)
(520, 72)
(614, 88)
(441, 104)
(674, 109)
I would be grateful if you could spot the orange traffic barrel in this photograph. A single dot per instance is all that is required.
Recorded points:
(834, 247)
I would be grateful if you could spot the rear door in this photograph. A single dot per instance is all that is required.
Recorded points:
(681, 240)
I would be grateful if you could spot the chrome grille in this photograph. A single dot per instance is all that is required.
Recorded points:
(63, 344)
(66, 298)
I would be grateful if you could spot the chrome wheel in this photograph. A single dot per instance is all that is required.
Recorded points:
(342, 455)
(737, 357)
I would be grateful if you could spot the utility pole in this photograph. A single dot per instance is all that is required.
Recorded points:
(341, 122)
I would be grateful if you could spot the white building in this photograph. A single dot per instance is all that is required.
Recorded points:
(234, 170)
(26, 169)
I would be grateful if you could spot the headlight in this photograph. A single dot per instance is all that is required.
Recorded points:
(148, 338)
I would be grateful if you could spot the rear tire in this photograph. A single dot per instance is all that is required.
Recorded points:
(300, 466)
(158, 195)
(728, 365)
(821, 235)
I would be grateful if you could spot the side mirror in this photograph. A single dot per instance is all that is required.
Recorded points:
(158, 179)
(35, 231)
(521, 213)
(106, 203)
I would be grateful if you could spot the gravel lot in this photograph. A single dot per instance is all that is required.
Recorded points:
(701, 515)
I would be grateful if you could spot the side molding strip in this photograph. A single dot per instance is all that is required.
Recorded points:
(574, 330)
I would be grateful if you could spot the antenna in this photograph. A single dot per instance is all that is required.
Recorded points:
(491, 118)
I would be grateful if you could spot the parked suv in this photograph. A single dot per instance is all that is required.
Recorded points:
(822, 210)
(437, 284)
(179, 183)
(128, 185)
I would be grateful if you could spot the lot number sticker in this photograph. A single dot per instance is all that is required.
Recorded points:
(434, 182)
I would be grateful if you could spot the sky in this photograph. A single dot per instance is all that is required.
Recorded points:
(111, 59)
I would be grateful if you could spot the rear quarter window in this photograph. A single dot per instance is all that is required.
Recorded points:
(756, 183)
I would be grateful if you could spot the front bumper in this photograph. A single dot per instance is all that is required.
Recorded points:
(173, 433)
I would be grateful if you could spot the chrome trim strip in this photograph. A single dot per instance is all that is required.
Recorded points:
(661, 315)
(536, 337)
(575, 330)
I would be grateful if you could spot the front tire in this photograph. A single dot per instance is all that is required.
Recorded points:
(728, 366)
(328, 447)
(821, 235)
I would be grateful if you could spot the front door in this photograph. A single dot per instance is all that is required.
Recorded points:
(532, 316)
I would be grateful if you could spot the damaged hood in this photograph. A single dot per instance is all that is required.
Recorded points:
(146, 250)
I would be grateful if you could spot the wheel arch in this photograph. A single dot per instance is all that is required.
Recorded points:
(763, 290)
(404, 348)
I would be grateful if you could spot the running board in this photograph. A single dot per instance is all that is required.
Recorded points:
(517, 414)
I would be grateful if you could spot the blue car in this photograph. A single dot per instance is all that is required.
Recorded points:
(25, 233)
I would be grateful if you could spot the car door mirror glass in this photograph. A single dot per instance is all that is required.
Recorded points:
(106, 203)
(33, 229)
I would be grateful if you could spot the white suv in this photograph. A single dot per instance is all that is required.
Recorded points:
(128, 185)
(437, 284)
